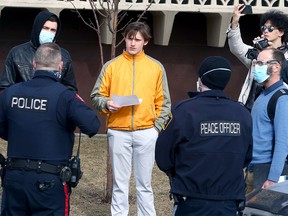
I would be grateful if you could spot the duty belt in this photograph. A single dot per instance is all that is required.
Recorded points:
(34, 165)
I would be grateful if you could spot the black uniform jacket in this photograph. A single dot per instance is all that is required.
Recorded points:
(38, 118)
(206, 146)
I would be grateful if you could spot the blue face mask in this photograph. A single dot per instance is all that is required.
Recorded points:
(56, 73)
(261, 73)
(46, 37)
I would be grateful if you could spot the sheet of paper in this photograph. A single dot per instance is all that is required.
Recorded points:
(126, 100)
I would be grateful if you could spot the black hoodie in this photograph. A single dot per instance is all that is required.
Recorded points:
(18, 66)
(39, 21)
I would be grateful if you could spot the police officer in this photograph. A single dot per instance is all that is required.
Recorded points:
(38, 119)
(206, 146)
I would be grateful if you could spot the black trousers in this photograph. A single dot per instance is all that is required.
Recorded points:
(35, 194)
(200, 207)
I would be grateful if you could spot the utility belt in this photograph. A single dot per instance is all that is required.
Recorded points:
(71, 174)
(33, 165)
(179, 198)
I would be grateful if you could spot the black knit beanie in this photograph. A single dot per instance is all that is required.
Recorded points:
(215, 72)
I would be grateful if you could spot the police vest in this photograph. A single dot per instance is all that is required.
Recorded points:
(34, 131)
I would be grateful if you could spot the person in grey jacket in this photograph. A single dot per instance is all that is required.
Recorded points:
(274, 27)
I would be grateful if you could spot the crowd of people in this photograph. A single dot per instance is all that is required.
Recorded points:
(273, 25)
(215, 150)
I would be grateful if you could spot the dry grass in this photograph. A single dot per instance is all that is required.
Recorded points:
(87, 197)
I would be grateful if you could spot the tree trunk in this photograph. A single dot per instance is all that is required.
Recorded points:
(109, 182)
(115, 24)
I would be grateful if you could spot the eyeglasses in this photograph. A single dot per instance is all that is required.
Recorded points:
(269, 28)
(261, 63)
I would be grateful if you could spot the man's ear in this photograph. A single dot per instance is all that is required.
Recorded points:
(60, 66)
(145, 43)
(34, 65)
(276, 68)
(281, 33)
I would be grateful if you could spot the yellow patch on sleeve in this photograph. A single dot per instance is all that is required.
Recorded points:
(167, 122)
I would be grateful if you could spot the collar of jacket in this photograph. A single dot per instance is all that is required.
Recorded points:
(207, 94)
(45, 73)
(212, 93)
(283, 47)
(192, 94)
(273, 87)
(32, 45)
(136, 57)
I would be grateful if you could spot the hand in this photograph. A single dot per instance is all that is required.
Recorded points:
(262, 36)
(112, 107)
(268, 183)
(257, 38)
(236, 15)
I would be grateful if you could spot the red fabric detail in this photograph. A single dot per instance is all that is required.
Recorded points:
(66, 194)
(77, 96)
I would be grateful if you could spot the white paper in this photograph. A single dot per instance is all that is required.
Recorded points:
(126, 100)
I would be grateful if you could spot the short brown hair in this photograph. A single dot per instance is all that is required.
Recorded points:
(141, 27)
(279, 56)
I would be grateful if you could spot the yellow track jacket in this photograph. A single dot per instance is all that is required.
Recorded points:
(139, 75)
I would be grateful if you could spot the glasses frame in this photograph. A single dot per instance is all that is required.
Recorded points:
(270, 28)
(261, 63)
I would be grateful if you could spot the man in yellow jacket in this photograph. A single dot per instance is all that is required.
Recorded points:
(133, 129)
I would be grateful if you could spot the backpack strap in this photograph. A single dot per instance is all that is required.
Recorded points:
(271, 107)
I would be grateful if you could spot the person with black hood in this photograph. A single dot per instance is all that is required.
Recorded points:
(206, 145)
(18, 66)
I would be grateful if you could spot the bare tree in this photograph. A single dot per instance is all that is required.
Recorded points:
(112, 18)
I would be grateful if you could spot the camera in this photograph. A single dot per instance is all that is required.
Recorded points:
(261, 43)
(252, 54)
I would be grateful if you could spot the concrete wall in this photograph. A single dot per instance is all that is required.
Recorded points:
(186, 50)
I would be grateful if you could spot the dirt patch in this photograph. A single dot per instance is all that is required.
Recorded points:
(87, 197)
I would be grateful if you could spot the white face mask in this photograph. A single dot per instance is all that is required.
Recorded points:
(46, 37)
(198, 86)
